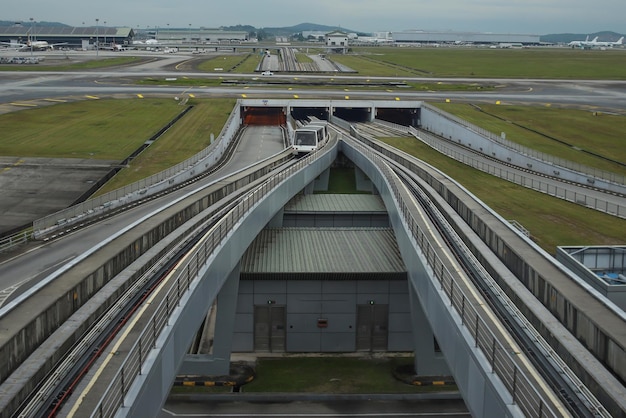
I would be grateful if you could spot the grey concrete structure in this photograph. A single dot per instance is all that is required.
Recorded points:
(602, 268)
(433, 37)
(35, 187)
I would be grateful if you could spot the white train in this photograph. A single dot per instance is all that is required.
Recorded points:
(310, 137)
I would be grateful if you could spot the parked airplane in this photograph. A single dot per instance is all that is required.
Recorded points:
(149, 42)
(583, 44)
(596, 43)
(34, 45)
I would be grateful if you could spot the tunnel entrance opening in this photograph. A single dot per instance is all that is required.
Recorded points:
(260, 116)
(404, 117)
(302, 113)
(350, 114)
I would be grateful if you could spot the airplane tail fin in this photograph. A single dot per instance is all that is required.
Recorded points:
(620, 41)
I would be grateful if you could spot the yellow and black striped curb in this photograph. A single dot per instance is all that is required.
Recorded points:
(432, 382)
(207, 381)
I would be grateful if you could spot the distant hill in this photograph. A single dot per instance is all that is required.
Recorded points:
(605, 36)
(28, 23)
(304, 27)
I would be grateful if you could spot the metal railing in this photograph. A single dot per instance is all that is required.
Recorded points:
(182, 281)
(580, 168)
(521, 387)
(9, 242)
(519, 177)
(137, 190)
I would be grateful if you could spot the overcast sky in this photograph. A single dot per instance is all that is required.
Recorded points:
(503, 16)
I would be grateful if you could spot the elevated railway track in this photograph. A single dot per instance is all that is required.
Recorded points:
(435, 204)
(561, 309)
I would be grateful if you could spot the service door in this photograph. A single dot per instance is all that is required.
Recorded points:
(269, 328)
(372, 327)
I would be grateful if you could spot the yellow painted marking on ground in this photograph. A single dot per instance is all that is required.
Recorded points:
(113, 350)
(397, 99)
(347, 97)
(191, 95)
(56, 100)
(498, 102)
(140, 96)
(93, 97)
(346, 90)
(447, 100)
(295, 96)
(24, 104)
(244, 96)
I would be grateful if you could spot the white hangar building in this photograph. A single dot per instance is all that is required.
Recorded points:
(427, 37)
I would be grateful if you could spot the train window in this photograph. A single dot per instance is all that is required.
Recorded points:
(305, 138)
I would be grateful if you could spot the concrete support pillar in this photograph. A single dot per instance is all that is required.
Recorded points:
(277, 220)
(363, 183)
(372, 114)
(218, 362)
(321, 183)
(428, 362)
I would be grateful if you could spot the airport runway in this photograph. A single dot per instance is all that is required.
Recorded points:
(30, 89)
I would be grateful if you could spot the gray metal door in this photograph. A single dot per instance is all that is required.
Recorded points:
(269, 328)
(372, 327)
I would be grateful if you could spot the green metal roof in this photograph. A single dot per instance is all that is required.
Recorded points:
(324, 253)
(336, 203)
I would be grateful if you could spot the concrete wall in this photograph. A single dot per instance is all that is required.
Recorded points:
(436, 123)
(89, 281)
(307, 300)
(597, 258)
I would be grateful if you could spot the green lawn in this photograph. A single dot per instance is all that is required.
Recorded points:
(477, 62)
(328, 374)
(83, 65)
(565, 133)
(98, 129)
(186, 138)
(552, 222)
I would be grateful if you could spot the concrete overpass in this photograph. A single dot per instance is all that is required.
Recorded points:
(471, 364)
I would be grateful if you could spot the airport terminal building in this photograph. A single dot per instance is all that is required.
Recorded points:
(433, 37)
(86, 37)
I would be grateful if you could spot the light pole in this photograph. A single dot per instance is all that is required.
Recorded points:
(97, 46)
(105, 33)
(32, 33)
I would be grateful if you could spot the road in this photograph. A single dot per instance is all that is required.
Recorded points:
(391, 408)
(19, 89)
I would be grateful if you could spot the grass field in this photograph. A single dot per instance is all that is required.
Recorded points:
(329, 374)
(186, 138)
(497, 63)
(97, 129)
(552, 222)
(565, 133)
(84, 65)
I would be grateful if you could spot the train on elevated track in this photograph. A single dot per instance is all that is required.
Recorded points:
(309, 137)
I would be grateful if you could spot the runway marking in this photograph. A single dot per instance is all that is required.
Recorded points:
(17, 163)
(130, 325)
(93, 97)
(56, 100)
(23, 104)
